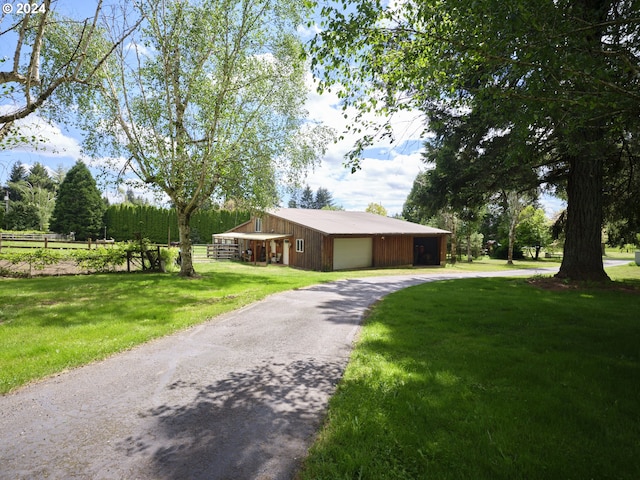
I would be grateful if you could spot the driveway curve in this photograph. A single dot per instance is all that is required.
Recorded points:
(238, 397)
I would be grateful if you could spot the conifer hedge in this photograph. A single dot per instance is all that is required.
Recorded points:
(160, 225)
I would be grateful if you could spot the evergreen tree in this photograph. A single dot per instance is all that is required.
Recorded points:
(79, 207)
(39, 177)
(306, 199)
(323, 198)
(18, 174)
(22, 216)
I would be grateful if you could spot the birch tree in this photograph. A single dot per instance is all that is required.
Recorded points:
(50, 52)
(207, 100)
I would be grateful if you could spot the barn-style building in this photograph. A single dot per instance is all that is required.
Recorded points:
(327, 240)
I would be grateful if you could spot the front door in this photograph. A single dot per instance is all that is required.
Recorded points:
(285, 252)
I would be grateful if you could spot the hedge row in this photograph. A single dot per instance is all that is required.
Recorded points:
(160, 225)
(100, 259)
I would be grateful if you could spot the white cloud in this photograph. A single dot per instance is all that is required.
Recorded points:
(49, 140)
(387, 170)
(308, 32)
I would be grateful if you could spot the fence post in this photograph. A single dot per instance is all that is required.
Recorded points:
(46, 243)
(89, 242)
(0, 242)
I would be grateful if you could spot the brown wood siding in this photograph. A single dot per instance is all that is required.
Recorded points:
(311, 258)
(392, 250)
(443, 250)
(388, 250)
(327, 254)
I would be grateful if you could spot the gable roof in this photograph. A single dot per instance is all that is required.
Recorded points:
(340, 222)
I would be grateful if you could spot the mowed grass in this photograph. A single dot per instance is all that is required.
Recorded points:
(49, 324)
(490, 379)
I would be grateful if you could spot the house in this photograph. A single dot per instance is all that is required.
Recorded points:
(326, 240)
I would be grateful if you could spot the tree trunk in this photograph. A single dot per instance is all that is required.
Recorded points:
(582, 259)
(513, 222)
(454, 239)
(469, 255)
(184, 231)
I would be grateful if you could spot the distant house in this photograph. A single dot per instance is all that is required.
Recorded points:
(327, 240)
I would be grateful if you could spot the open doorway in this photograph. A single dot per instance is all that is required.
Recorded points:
(426, 251)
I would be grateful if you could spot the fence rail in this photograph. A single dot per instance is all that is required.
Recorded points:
(34, 236)
(52, 243)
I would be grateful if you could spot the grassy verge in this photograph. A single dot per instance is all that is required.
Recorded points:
(491, 378)
(49, 324)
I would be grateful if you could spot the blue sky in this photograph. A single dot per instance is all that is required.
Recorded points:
(386, 177)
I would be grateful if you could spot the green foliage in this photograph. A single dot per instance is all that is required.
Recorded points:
(101, 259)
(377, 209)
(22, 216)
(533, 229)
(168, 256)
(79, 206)
(517, 96)
(36, 258)
(226, 119)
(502, 252)
(159, 225)
(306, 199)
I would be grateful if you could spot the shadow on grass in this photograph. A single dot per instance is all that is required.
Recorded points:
(488, 378)
(242, 426)
(149, 297)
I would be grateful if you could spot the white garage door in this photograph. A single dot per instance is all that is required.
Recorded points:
(352, 253)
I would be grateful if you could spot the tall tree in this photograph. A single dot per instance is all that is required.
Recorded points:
(513, 203)
(306, 198)
(377, 209)
(79, 207)
(323, 199)
(50, 53)
(17, 175)
(534, 229)
(557, 82)
(223, 119)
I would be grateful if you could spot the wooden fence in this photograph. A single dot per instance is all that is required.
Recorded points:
(8, 240)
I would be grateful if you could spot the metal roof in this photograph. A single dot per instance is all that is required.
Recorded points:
(340, 222)
(252, 236)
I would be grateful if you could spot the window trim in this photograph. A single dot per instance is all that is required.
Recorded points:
(300, 245)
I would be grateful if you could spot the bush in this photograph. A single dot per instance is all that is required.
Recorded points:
(101, 259)
(36, 258)
(502, 252)
(168, 257)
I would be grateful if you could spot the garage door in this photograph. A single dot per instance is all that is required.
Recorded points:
(352, 253)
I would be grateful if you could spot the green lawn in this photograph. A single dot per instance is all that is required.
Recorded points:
(490, 379)
(49, 324)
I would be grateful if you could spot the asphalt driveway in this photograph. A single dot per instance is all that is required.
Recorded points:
(238, 397)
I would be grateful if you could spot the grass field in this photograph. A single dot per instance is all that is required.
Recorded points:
(50, 324)
(490, 379)
(472, 378)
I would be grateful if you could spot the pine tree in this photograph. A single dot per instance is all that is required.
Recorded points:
(323, 198)
(79, 207)
(306, 199)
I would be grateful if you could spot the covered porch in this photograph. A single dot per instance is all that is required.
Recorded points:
(256, 248)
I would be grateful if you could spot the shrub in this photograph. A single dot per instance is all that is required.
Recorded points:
(101, 259)
(502, 252)
(36, 258)
(168, 257)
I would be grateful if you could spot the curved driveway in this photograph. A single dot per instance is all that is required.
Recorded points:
(238, 397)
